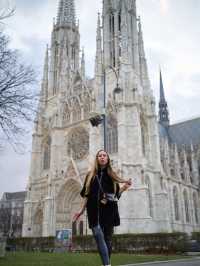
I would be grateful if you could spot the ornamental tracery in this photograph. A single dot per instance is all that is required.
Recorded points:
(46, 153)
(78, 143)
(76, 110)
(112, 134)
(66, 114)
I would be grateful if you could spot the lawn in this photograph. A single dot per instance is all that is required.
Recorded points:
(72, 259)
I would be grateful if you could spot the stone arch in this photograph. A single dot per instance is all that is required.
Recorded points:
(68, 202)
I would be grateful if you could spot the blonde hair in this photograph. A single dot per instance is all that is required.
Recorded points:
(91, 174)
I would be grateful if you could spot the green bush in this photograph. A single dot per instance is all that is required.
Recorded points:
(138, 243)
(196, 236)
(32, 244)
(160, 243)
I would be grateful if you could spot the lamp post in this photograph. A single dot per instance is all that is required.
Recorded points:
(97, 119)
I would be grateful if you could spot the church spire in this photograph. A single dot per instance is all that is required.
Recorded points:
(83, 64)
(98, 59)
(66, 13)
(120, 35)
(163, 108)
(44, 89)
(143, 63)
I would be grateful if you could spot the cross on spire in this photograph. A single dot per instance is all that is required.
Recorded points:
(66, 12)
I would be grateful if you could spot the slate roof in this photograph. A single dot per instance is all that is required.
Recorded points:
(15, 196)
(185, 132)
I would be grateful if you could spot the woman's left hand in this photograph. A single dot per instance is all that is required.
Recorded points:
(129, 182)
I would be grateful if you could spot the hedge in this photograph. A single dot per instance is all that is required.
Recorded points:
(138, 243)
(32, 244)
(132, 243)
(196, 236)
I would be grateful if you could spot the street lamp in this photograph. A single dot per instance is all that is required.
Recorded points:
(97, 119)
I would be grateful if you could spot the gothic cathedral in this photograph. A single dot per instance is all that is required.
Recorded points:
(64, 141)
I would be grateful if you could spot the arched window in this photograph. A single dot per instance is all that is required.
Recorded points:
(112, 39)
(76, 111)
(47, 154)
(143, 140)
(186, 206)
(73, 57)
(144, 135)
(176, 204)
(112, 134)
(86, 107)
(149, 195)
(66, 115)
(195, 202)
(189, 161)
(119, 21)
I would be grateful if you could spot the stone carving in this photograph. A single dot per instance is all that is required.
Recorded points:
(78, 143)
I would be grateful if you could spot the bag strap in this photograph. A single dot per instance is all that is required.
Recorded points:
(99, 182)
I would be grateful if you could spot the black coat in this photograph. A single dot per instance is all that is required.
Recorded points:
(108, 213)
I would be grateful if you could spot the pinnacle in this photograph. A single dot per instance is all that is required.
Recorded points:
(66, 12)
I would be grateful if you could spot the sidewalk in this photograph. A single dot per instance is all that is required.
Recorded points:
(166, 261)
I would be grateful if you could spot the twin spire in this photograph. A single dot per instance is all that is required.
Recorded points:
(66, 13)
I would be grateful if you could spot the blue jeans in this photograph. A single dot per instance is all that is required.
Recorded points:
(103, 236)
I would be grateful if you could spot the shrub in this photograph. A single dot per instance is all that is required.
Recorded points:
(138, 243)
(196, 236)
(31, 244)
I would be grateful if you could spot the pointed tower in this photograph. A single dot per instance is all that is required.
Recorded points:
(98, 58)
(99, 65)
(120, 33)
(83, 64)
(144, 77)
(66, 13)
(134, 112)
(45, 80)
(65, 48)
(163, 108)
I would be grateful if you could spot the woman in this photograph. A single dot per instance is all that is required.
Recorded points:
(100, 193)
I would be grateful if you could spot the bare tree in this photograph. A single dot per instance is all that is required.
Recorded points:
(6, 14)
(6, 11)
(17, 97)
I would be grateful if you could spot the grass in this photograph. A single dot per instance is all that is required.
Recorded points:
(72, 259)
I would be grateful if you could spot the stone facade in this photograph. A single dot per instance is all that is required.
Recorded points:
(64, 142)
(11, 214)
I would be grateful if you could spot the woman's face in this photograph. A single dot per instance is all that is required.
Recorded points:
(102, 158)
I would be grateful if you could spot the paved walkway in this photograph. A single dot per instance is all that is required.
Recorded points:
(184, 262)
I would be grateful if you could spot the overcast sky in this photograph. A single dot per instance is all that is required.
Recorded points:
(171, 31)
